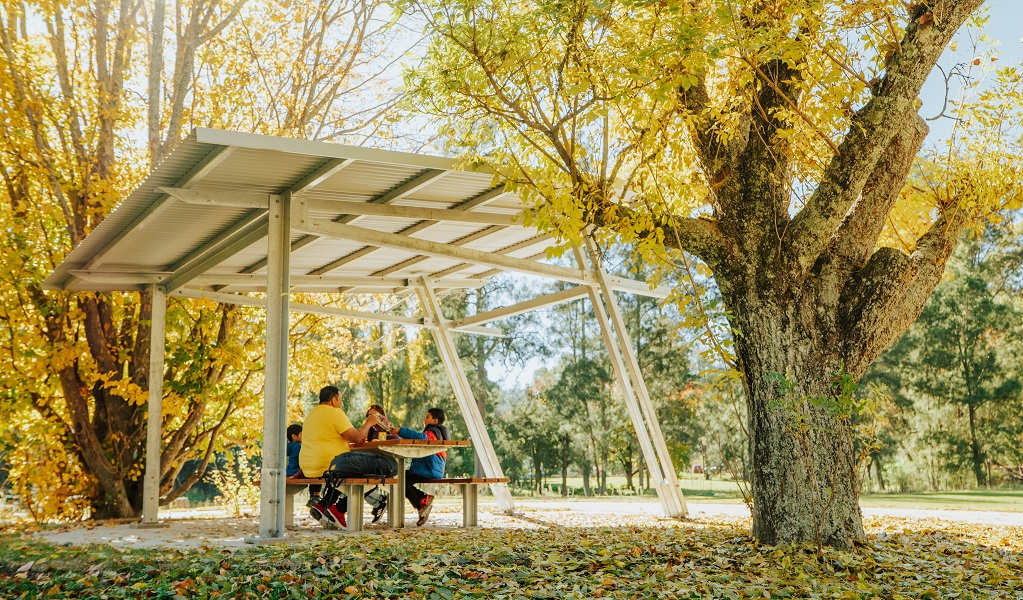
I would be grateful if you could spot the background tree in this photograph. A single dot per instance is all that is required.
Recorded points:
(755, 137)
(71, 76)
(960, 355)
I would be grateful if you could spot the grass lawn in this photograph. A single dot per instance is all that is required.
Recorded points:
(696, 488)
(994, 500)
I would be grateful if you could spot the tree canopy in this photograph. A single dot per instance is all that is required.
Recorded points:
(773, 141)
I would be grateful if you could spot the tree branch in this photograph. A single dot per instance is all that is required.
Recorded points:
(857, 235)
(928, 32)
(889, 293)
(699, 236)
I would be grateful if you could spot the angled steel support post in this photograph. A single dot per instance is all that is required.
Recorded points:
(637, 398)
(463, 392)
(275, 405)
(154, 420)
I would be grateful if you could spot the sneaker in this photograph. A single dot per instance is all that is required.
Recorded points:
(424, 512)
(378, 511)
(337, 517)
(317, 511)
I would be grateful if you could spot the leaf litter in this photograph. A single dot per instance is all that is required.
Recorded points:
(590, 556)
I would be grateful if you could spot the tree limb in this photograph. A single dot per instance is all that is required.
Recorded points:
(873, 126)
(857, 236)
(883, 299)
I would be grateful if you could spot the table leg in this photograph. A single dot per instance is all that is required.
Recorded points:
(355, 493)
(396, 508)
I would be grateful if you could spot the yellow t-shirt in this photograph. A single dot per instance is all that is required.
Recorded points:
(322, 439)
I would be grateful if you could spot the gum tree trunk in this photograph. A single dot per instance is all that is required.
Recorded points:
(805, 483)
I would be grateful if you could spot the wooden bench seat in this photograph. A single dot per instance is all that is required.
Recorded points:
(353, 487)
(470, 494)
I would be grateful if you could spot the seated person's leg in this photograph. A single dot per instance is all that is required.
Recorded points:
(416, 497)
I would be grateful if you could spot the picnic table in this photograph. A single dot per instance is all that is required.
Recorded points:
(401, 450)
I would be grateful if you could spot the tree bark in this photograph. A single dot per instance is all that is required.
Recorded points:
(565, 441)
(628, 467)
(804, 482)
(878, 473)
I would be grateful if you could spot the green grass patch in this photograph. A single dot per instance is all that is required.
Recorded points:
(993, 500)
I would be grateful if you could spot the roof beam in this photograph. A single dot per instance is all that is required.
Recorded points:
(329, 311)
(392, 240)
(323, 173)
(196, 173)
(136, 278)
(397, 193)
(218, 250)
(261, 201)
(507, 250)
(619, 284)
(568, 295)
(418, 259)
(243, 233)
(484, 198)
(307, 280)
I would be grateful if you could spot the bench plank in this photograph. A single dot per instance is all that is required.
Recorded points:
(348, 480)
(355, 485)
(470, 494)
(469, 485)
(474, 480)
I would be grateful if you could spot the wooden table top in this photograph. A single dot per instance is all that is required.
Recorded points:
(409, 448)
(384, 443)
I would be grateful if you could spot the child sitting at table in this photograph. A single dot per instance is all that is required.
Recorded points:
(377, 497)
(292, 470)
(428, 467)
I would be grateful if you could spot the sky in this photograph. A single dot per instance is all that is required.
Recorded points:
(1004, 31)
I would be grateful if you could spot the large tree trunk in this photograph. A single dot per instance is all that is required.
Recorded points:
(805, 484)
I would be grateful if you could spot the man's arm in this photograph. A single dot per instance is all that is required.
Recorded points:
(354, 435)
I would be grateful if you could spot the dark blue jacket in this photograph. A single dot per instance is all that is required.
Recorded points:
(429, 466)
(293, 449)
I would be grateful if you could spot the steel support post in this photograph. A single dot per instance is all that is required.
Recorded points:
(463, 392)
(671, 482)
(634, 390)
(154, 419)
(275, 387)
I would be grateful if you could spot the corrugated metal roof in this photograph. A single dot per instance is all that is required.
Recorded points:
(152, 237)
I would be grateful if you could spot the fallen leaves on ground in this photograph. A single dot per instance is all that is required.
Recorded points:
(546, 556)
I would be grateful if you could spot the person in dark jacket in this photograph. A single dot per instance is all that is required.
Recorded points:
(429, 467)
(294, 448)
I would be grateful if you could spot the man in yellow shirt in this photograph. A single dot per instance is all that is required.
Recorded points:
(326, 437)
